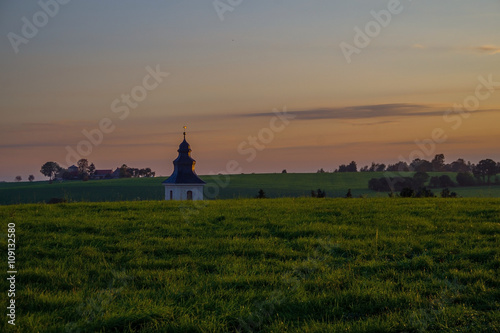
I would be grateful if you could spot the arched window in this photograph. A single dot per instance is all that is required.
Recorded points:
(171, 195)
(190, 195)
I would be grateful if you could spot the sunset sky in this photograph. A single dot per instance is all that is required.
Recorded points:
(229, 67)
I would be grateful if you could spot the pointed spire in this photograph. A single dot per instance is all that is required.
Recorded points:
(184, 166)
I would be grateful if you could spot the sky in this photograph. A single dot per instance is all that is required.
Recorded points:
(261, 85)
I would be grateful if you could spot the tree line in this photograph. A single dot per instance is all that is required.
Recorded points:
(486, 168)
(86, 171)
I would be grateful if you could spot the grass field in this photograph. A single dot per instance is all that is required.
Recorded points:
(222, 187)
(275, 265)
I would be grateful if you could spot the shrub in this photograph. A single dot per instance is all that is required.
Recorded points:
(375, 184)
(319, 194)
(445, 193)
(407, 192)
(419, 179)
(425, 193)
(445, 181)
(466, 179)
(57, 201)
(434, 182)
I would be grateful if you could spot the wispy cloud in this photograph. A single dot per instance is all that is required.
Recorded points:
(418, 46)
(364, 112)
(489, 49)
(359, 112)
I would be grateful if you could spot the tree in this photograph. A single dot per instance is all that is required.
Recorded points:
(284, 171)
(421, 165)
(376, 184)
(319, 194)
(459, 166)
(445, 193)
(31, 178)
(424, 193)
(261, 195)
(419, 179)
(349, 194)
(351, 167)
(486, 168)
(19, 178)
(466, 179)
(49, 169)
(438, 163)
(407, 192)
(91, 170)
(65, 174)
(445, 181)
(434, 182)
(83, 166)
(400, 166)
(124, 171)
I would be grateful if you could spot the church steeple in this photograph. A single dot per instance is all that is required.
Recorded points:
(184, 166)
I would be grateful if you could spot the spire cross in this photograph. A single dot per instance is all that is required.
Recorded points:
(184, 132)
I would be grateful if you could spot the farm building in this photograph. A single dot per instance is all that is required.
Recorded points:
(103, 174)
(184, 183)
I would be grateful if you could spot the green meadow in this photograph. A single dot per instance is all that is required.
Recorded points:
(257, 265)
(218, 187)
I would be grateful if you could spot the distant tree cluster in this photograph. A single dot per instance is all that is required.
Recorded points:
(318, 194)
(441, 181)
(351, 167)
(85, 171)
(31, 178)
(483, 172)
(375, 167)
(388, 184)
(128, 172)
(423, 192)
(485, 168)
(468, 174)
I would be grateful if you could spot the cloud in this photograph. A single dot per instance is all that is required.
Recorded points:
(359, 112)
(489, 49)
(483, 49)
(418, 46)
(364, 112)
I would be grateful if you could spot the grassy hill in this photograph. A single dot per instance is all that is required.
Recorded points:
(222, 187)
(275, 265)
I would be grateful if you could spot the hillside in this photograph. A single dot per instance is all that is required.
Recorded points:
(221, 187)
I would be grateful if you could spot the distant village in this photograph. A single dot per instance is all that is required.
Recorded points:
(85, 171)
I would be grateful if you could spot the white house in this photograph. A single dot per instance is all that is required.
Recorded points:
(184, 183)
